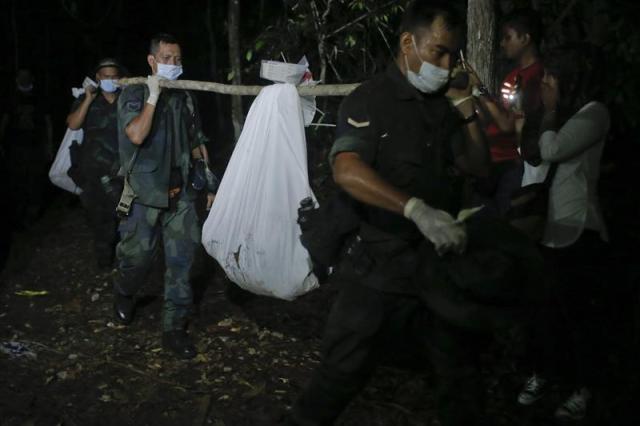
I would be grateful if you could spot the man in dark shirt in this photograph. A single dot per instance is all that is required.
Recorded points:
(95, 113)
(25, 137)
(399, 139)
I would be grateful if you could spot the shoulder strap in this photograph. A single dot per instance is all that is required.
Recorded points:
(132, 161)
(550, 174)
(135, 153)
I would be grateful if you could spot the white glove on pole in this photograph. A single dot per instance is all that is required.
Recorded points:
(437, 226)
(153, 83)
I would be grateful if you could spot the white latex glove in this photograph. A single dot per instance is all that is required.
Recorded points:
(153, 83)
(89, 88)
(437, 226)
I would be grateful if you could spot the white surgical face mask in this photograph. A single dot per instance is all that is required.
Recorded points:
(108, 86)
(430, 78)
(25, 88)
(170, 72)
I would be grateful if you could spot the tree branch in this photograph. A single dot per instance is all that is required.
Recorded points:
(230, 89)
(365, 16)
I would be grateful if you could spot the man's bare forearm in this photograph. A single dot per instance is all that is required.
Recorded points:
(75, 120)
(476, 158)
(200, 152)
(503, 118)
(365, 184)
(140, 127)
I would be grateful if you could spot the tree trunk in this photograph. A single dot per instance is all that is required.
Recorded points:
(318, 24)
(481, 36)
(213, 59)
(233, 24)
(14, 31)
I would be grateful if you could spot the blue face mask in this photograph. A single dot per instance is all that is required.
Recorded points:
(108, 86)
(170, 72)
(430, 78)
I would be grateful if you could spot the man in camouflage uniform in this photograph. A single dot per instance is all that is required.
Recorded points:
(159, 136)
(95, 113)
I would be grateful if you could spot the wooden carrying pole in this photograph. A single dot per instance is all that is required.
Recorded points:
(230, 89)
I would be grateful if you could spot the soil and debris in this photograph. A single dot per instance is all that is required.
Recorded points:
(65, 361)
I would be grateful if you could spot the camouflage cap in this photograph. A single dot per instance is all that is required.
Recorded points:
(109, 62)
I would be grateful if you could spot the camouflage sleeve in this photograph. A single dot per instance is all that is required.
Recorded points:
(353, 132)
(130, 104)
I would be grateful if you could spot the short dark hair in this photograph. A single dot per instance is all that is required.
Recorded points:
(109, 62)
(420, 14)
(161, 38)
(525, 21)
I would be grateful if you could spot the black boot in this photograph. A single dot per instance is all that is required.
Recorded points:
(124, 308)
(179, 342)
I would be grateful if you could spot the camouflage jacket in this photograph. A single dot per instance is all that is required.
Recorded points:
(99, 152)
(175, 132)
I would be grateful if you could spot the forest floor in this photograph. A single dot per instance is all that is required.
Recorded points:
(79, 367)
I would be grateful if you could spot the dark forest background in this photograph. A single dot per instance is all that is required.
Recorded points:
(256, 355)
(344, 40)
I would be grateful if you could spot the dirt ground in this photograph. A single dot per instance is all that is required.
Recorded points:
(255, 353)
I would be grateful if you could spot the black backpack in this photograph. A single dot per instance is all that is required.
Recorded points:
(500, 280)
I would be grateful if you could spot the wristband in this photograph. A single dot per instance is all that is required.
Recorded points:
(478, 91)
(470, 119)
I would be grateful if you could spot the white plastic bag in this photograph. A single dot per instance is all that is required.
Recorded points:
(298, 74)
(62, 163)
(251, 229)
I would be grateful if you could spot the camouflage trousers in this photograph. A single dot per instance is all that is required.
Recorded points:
(139, 236)
(101, 216)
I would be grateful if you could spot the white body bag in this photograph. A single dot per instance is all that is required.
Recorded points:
(61, 164)
(251, 229)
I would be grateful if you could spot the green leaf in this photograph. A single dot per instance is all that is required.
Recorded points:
(230, 76)
(350, 41)
(259, 45)
(249, 55)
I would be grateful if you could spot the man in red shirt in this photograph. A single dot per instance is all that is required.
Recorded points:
(519, 92)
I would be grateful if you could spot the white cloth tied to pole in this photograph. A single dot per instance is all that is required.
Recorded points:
(251, 229)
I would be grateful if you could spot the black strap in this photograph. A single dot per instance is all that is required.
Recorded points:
(132, 161)
(550, 174)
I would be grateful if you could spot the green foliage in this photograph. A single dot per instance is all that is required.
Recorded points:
(359, 40)
(622, 48)
(358, 36)
(609, 27)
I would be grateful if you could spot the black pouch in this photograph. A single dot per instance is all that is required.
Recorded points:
(360, 259)
(112, 186)
(202, 177)
(126, 199)
(327, 230)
